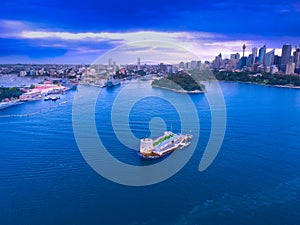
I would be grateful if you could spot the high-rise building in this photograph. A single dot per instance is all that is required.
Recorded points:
(218, 61)
(277, 60)
(254, 54)
(262, 54)
(139, 63)
(181, 65)
(242, 62)
(198, 64)
(249, 60)
(269, 59)
(285, 56)
(110, 62)
(193, 64)
(187, 65)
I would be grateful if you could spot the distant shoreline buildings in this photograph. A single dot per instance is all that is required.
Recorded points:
(259, 61)
(268, 62)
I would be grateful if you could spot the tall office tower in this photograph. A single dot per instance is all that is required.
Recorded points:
(198, 64)
(218, 61)
(242, 62)
(139, 63)
(296, 59)
(262, 54)
(285, 56)
(254, 54)
(249, 60)
(244, 47)
(269, 59)
(110, 62)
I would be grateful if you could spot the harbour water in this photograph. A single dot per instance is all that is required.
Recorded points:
(255, 178)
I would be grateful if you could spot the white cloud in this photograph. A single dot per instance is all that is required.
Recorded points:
(154, 45)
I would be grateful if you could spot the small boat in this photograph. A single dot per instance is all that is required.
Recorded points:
(64, 102)
(55, 98)
(47, 98)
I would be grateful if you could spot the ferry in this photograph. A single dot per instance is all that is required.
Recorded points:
(52, 98)
(163, 145)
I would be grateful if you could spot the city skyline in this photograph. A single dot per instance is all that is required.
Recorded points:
(68, 32)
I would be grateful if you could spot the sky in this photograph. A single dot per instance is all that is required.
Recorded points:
(65, 31)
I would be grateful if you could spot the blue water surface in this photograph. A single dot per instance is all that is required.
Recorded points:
(255, 179)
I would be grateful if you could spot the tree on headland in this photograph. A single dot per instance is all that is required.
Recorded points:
(179, 81)
(9, 93)
(263, 78)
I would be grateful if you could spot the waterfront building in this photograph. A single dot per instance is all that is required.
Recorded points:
(23, 73)
(290, 68)
(296, 59)
(274, 69)
(285, 56)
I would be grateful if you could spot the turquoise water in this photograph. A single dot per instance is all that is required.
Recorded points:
(255, 178)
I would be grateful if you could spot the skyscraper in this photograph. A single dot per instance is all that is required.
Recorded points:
(218, 61)
(262, 54)
(269, 59)
(249, 60)
(254, 54)
(285, 56)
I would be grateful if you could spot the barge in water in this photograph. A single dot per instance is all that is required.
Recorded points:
(163, 145)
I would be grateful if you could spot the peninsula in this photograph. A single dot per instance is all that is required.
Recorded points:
(179, 82)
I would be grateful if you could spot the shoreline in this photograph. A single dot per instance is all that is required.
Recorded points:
(266, 85)
(180, 90)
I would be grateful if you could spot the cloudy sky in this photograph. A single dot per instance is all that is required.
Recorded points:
(65, 31)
